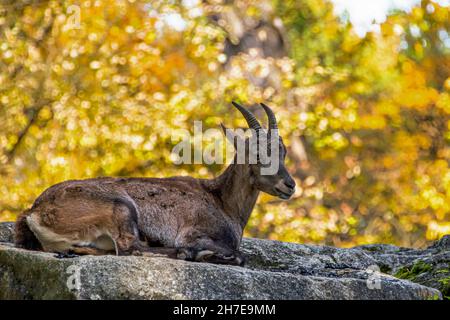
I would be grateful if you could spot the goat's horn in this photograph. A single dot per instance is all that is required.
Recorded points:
(271, 117)
(249, 117)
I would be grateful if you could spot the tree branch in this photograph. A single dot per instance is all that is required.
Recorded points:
(32, 117)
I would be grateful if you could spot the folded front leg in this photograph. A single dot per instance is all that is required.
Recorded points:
(236, 258)
(206, 250)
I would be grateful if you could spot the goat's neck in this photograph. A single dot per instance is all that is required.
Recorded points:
(237, 192)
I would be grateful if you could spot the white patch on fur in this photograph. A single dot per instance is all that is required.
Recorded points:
(52, 241)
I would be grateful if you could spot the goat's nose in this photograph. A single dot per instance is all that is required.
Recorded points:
(290, 183)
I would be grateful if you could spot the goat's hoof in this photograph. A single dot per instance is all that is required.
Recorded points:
(203, 255)
(232, 260)
(185, 254)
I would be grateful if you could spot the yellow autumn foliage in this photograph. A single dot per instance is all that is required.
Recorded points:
(366, 120)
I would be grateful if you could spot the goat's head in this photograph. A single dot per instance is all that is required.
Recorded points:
(268, 170)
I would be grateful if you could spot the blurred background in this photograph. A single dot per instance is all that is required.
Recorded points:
(361, 90)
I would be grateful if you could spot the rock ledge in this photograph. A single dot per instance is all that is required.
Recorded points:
(275, 270)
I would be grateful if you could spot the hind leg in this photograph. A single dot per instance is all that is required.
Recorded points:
(126, 233)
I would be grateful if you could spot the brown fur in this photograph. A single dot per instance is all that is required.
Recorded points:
(24, 237)
(192, 219)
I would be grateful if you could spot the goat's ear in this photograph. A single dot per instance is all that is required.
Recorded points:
(231, 136)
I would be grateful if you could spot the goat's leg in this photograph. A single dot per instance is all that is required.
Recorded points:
(200, 249)
(220, 257)
(157, 252)
(126, 233)
(206, 250)
(127, 237)
(236, 258)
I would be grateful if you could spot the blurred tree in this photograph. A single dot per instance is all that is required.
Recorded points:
(85, 98)
(373, 113)
(366, 119)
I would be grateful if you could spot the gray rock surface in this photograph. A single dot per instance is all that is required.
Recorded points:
(275, 270)
(7, 232)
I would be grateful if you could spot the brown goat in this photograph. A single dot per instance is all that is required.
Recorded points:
(180, 217)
